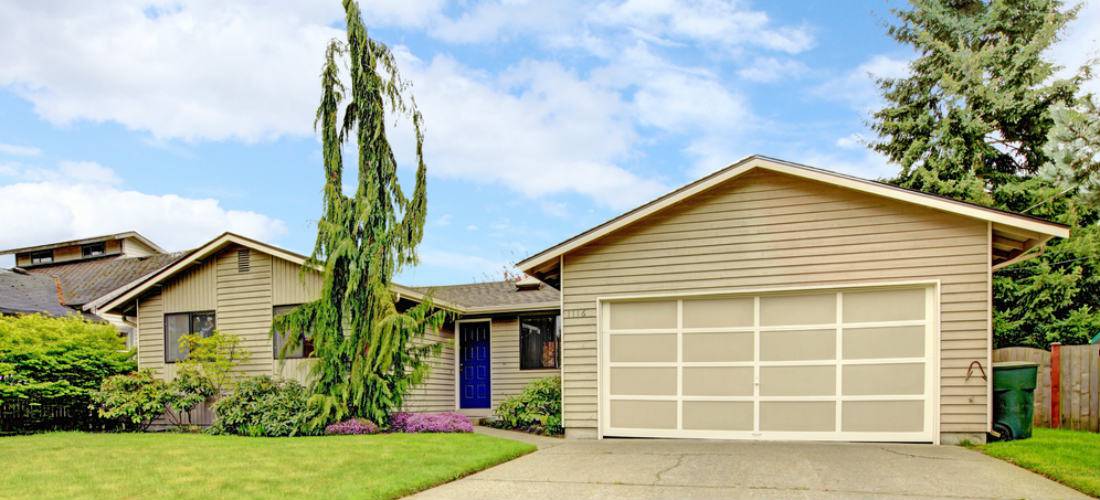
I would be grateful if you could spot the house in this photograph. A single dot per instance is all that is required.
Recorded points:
(505, 333)
(24, 293)
(772, 300)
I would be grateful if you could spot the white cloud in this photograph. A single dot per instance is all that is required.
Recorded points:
(858, 87)
(16, 150)
(468, 267)
(471, 227)
(81, 199)
(1079, 44)
(444, 220)
(771, 69)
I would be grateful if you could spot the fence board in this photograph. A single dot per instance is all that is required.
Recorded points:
(1042, 387)
(1080, 387)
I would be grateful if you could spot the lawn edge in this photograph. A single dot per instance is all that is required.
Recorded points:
(530, 448)
(1014, 463)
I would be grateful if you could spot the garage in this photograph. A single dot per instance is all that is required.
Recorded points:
(852, 364)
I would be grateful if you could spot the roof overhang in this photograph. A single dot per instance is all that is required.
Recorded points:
(1014, 235)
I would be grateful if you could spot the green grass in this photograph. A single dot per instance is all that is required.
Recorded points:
(1069, 457)
(170, 465)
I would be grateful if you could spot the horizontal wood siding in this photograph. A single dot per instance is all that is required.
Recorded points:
(245, 307)
(196, 290)
(289, 287)
(437, 391)
(507, 378)
(771, 230)
(150, 346)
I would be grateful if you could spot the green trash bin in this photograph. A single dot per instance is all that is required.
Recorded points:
(1014, 398)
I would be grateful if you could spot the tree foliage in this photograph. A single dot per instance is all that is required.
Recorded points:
(982, 118)
(367, 350)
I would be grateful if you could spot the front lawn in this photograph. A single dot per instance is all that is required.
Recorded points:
(1069, 457)
(170, 465)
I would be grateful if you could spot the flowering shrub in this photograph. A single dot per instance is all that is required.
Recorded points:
(537, 409)
(430, 422)
(352, 426)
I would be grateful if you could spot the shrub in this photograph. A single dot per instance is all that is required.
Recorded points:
(430, 422)
(536, 409)
(135, 399)
(49, 368)
(352, 426)
(262, 406)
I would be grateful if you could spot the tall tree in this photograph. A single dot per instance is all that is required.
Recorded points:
(369, 353)
(971, 121)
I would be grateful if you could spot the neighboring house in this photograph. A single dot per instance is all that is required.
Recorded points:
(507, 331)
(83, 271)
(23, 293)
(771, 300)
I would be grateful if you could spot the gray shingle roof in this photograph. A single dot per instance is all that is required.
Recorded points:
(87, 280)
(491, 294)
(29, 293)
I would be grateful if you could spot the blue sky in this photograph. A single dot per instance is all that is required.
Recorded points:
(184, 119)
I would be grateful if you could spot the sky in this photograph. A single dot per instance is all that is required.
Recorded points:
(185, 119)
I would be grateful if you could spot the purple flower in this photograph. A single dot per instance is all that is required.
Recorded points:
(430, 422)
(352, 426)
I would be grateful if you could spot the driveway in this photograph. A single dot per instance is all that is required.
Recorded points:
(688, 469)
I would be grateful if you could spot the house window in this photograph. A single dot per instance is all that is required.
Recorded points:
(93, 249)
(43, 257)
(303, 350)
(539, 345)
(177, 325)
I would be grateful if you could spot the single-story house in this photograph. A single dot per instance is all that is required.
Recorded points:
(772, 300)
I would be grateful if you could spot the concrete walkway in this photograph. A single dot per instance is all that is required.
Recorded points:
(689, 469)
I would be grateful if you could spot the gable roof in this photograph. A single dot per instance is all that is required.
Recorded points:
(495, 296)
(27, 294)
(1028, 231)
(84, 281)
(116, 236)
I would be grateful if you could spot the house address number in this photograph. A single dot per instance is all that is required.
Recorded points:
(575, 313)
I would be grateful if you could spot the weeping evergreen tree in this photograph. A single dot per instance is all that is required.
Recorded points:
(369, 353)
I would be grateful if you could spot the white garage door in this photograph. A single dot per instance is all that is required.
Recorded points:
(855, 364)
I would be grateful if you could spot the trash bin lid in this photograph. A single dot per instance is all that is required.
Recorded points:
(1014, 364)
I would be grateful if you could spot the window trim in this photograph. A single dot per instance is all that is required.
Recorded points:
(101, 245)
(307, 343)
(37, 257)
(557, 348)
(190, 322)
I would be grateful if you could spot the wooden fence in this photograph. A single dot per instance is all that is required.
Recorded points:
(1073, 387)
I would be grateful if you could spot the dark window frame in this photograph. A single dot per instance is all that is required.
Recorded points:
(524, 364)
(42, 257)
(191, 329)
(90, 249)
(307, 343)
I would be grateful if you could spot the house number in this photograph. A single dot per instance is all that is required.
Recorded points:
(575, 313)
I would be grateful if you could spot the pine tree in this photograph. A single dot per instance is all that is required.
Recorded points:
(369, 353)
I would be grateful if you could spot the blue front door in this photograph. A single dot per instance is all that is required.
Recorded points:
(473, 363)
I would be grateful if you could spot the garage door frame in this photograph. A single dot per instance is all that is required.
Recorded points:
(932, 377)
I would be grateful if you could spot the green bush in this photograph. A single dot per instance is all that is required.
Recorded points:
(536, 409)
(56, 363)
(263, 406)
(135, 399)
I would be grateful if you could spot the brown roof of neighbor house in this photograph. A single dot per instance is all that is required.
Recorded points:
(86, 280)
(493, 295)
(27, 294)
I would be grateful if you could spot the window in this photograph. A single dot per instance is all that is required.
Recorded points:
(303, 350)
(179, 324)
(93, 249)
(538, 342)
(43, 257)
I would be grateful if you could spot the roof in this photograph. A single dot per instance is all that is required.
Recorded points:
(83, 281)
(27, 293)
(494, 295)
(1022, 226)
(93, 239)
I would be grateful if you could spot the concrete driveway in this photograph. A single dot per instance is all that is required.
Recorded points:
(688, 469)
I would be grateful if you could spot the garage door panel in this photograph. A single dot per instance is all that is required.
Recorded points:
(718, 313)
(643, 315)
(882, 416)
(886, 342)
(718, 381)
(797, 345)
(643, 381)
(724, 346)
(884, 305)
(883, 379)
(804, 416)
(634, 348)
(633, 414)
(797, 380)
(718, 415)
(781, 310)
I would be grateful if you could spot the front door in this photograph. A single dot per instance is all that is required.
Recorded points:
(473, 365)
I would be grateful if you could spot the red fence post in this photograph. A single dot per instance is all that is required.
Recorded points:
(1055, 385)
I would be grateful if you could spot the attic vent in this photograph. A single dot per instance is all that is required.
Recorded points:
(244, 260)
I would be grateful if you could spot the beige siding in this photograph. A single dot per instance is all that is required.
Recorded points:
(133, 248)
(437, 392)
(70, 253)
(506, 377)
(196, 290)
(150, 348)
(289, 287)
(772, 230)
(244, 306)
